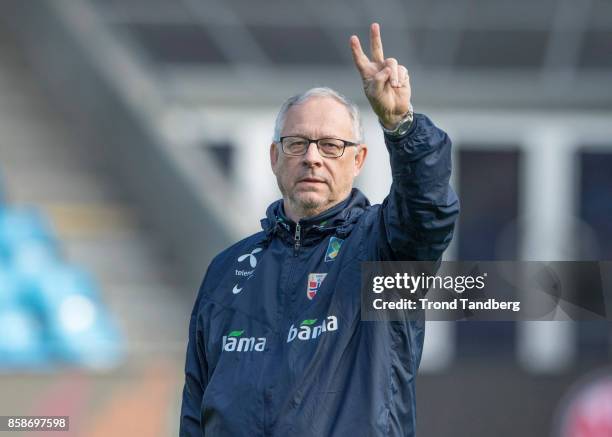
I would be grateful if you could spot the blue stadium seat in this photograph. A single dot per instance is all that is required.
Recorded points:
(50, 285)
(22, 224)
(21, 340)
(62, 279)
(31, 257)
(50, 312)
(78, 329)
(9, 287)
(80, 332)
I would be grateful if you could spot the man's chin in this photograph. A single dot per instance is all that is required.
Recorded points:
(309, 200)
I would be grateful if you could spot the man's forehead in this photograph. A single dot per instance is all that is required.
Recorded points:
(317, 104)
(305, 130)
(324, 114)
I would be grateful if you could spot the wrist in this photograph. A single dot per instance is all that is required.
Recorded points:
(398, 126)
(393, 122)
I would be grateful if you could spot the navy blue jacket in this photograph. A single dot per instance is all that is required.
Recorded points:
(276, 344)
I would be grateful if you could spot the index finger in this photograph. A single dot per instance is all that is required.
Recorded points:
(360, 58)
(376, 47)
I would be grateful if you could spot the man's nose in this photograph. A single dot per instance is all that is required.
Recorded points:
(312, 155)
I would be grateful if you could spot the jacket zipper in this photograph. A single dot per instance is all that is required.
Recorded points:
(296, 238)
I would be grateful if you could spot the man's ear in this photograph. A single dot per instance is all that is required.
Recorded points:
(360, 156)
(273, 156)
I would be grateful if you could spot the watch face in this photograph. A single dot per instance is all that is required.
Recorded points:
(402, 128)
(405, 126)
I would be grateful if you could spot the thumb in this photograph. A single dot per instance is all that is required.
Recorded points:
(381, 78)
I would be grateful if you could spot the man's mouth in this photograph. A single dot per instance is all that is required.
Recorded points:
(312, 180)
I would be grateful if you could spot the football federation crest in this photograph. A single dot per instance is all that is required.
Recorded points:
(333, 248)
(314, 282)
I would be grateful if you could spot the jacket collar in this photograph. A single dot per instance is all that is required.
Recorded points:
(338, 220)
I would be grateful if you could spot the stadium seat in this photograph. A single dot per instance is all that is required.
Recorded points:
(50, 312)
(9, 289)
(53, 283)
(21, 340)
(31, 256)
(80, 332)
(21, 224)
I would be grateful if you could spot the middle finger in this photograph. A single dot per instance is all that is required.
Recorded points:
(376, 44)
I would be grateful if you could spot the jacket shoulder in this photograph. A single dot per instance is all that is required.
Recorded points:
(373, 244)
(227, 257)
(246, 245)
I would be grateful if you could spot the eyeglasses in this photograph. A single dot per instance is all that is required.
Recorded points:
(328, 147)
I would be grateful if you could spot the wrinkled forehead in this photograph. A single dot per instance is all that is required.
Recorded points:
(319, 117)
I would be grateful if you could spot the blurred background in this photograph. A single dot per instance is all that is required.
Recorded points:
(134, 147)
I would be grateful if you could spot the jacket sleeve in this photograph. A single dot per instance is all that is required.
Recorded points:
(417, 218)
(196, 377)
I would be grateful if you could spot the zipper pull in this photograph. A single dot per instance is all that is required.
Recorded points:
(297, 237)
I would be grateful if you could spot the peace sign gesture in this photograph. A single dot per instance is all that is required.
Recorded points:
(385, 82)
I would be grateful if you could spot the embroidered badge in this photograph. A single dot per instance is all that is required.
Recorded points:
(314, 283)
(333, 248)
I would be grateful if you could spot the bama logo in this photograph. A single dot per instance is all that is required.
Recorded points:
(309, 329)
(234, 342)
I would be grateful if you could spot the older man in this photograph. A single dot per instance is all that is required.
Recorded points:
(276, 344)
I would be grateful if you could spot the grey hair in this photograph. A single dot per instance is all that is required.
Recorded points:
(351, 107)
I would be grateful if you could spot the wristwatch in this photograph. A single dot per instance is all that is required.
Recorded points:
(402, 127)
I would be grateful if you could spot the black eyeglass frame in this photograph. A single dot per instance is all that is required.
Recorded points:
(345, 144)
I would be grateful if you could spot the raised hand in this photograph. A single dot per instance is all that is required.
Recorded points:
(385, 82)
